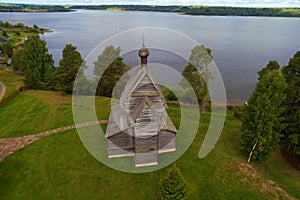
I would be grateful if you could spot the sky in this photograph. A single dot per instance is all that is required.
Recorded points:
(251, 3)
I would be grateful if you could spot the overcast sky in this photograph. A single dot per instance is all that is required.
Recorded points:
(256, 3)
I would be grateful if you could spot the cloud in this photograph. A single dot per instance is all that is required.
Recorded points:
(267, 3)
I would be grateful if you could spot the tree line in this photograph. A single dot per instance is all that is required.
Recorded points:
(241, 11)
(36, 64)
(8, 7)
(201, 10)
(33, 60)
(187, 10)
(272, 113)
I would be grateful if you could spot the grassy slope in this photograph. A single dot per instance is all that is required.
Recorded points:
(12, 82)
(36, 111)
(59, 167)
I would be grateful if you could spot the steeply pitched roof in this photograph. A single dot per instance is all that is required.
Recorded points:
(135, 79)
(169, 126)
(114, 129)
(141, 105)
(112, 126)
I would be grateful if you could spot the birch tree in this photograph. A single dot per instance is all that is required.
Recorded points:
(197, 73)
(262, 121)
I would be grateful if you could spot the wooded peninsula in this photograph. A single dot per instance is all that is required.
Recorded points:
(185, 10)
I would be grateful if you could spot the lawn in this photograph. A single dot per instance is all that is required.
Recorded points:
(36, 111)
(59, 167)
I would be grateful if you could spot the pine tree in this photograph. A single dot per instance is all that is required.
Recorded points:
(292, 115)
(272, 65)
(111, 68)
(173, 186)
(68, 68)
(262, 121)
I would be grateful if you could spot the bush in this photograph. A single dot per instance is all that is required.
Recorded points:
(173, 185)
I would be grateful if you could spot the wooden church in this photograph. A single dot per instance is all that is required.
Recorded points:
(139, 125)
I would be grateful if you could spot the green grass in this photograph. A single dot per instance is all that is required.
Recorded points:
(59, 166)
(12, 82)
(32, 112)
(21, 116)
(280, 171)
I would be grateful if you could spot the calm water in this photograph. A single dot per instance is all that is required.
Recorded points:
(240, 45)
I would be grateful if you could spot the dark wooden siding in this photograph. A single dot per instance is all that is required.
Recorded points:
(146, 150)
(166, 140)
(122, 140)
(146, 144)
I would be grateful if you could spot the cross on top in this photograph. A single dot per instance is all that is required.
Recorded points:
(143, 37)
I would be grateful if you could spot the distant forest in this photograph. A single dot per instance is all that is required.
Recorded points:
(201, 10)
(186, 10)
(32, 8)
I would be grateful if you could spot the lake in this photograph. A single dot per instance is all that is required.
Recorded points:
(241, 46)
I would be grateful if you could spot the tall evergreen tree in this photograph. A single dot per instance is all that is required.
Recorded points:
(197, 74)
(68, 68)
(17, 60)
(262, 121)
(173, 186)
(37, 62)
(292, 115)
(272, 65)
(112, 68)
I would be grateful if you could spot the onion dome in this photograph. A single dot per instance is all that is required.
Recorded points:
(144, 53)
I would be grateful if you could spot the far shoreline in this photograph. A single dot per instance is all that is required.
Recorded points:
(195, 10)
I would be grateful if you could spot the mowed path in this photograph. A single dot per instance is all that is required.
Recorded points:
(2, 90)
(10, 145)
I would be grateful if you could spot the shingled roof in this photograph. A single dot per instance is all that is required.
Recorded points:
(135, 80)
(112, 127)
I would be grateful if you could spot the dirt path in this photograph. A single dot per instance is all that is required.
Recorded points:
(2, 90)
(10, 145)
